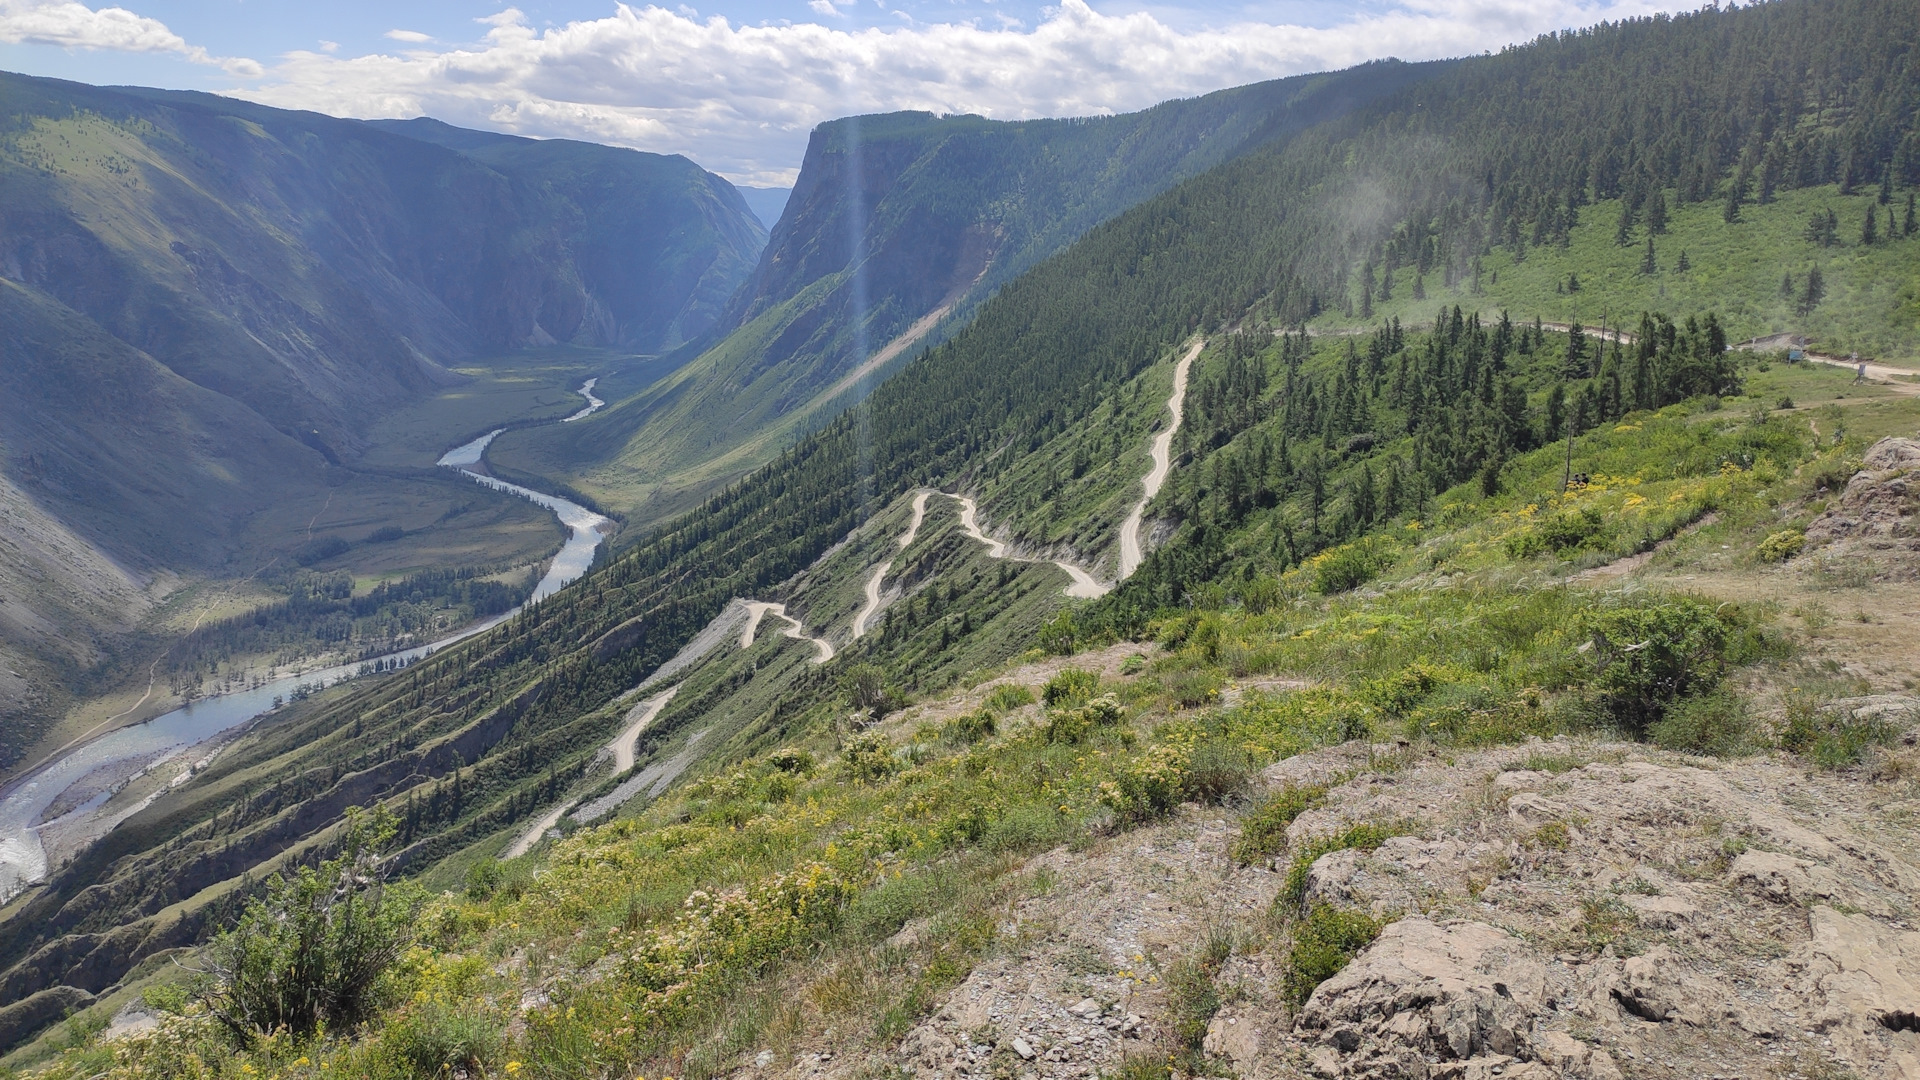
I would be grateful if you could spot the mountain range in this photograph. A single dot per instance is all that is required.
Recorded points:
(788, 735)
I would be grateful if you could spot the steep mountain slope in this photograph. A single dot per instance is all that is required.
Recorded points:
(271, 283)
(899, 226)
(1305, 468)
(659, 243)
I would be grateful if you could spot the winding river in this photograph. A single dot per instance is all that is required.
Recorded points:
(90, 774)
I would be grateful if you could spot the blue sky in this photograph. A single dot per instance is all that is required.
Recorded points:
(737, 84)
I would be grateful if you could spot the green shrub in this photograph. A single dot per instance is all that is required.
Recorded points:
(1066, 725)
(385, 534)
(1831, 738)
(1070, 687)
(1218, 771)
(865, 688)
(1263, 833)
(1347, 568)
(1400, 692)
(1261, 595)
(1192, 997)
(1148, 784)
(792, 761)
(484, 878)
(1644, 658)
(1561, 533)
(1009, 696)
(970, 728)
(433, 1038)
(1325, 940)
(868, 756)
(316, 949)
(1364, 836)
(1716, 723)
(1781, 546)
(1194, 688)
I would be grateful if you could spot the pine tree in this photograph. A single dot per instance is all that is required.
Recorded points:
(1657, 214)
(1730, 213)
(1912, 224)
(1870, 227)
(1683, 265)
(1623, 232)
(1419, 288)
(1816, 288)
(1647, 265)
(1786, 286)
(1886, 185)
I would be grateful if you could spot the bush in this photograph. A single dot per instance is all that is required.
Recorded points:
(320, 549)
(792, 761)
(1073, 725)
(869, 756)
(1831, 738)
(1194, 688)
(1261, 595)
(385, 534)
(1561, 533)
(1218, 771)
(1070, 687)
(433, 1037)
(1192, 998)
(1646, 658)
(1324, 942)
(1147, 785)
(971, 727)
(1712, 723)
(865, 688)
(1346, 568)
(1008, 697)
(317, 948)
(1263, 833)
(1781, 546)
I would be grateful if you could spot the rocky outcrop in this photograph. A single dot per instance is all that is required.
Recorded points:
(1880, 499)
(1461, 995)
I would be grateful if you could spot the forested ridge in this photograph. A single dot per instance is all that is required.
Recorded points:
(1499, 150)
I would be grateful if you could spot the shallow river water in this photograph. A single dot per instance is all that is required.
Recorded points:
(119, 755)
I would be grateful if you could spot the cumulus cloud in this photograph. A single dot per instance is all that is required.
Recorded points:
(73, 25)
(741, 99)
(411, 36)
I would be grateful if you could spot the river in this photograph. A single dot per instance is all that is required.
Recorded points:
(109, 762)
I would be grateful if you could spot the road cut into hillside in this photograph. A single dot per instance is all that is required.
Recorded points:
(880, 572)
(1085, 586)
(1130, 549)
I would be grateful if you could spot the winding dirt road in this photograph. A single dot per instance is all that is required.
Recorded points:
(795, 629)
(1085, 586)
(880, 572)
(1162, 450)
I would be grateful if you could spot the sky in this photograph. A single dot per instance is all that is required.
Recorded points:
(736, 85)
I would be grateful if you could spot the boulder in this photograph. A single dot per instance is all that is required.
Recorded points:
(1463, 992)
(1879, 498)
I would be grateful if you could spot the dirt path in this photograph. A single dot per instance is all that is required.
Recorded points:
(1130, 553)
(638, 718)
(880, 572)
(795, 629)
(535, 831)
(1085, 586)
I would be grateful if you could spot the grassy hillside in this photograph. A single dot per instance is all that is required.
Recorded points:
(1753, 270)
(1367, 532)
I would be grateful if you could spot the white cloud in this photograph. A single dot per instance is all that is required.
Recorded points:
(741, 99)
(72, 25)
(329, 46)
(823, 7)
(411, 36)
